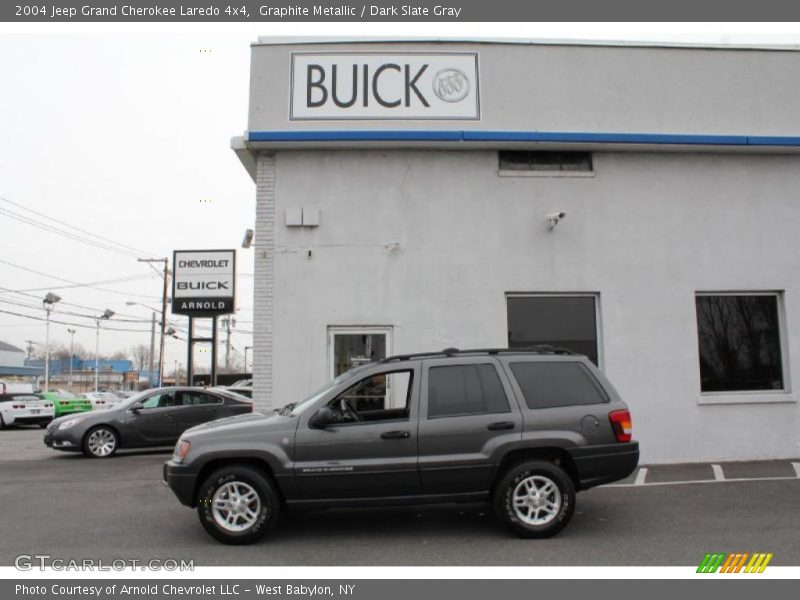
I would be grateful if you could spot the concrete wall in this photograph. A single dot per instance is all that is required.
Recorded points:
(646, 232)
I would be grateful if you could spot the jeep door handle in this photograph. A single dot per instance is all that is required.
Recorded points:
(501, 425)
(395, 435)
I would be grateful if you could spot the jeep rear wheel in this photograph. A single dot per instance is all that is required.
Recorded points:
(238, 505)
(535, 499)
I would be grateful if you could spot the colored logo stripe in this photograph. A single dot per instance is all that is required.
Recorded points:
(734, 562)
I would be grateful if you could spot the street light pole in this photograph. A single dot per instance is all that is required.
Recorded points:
(106, 315)
(246, 348)
(71, 333)
(49, 300)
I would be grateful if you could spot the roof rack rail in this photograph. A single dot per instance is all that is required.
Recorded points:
(534, 349)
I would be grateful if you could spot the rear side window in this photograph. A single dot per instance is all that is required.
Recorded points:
(549, 384)
(465, 390)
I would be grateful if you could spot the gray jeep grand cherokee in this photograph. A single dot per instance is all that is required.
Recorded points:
(522, 429)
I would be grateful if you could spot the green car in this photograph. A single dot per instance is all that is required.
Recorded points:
(65, 404)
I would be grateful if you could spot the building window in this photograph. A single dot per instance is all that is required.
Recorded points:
(568, 321)
(739, 337)
(351, 347)
(545, 162)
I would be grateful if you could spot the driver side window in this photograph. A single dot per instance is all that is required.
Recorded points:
(381, 397)
(159, 401)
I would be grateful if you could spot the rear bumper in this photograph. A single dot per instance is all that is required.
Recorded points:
(30, 419)
(596, 465)
(181, 482)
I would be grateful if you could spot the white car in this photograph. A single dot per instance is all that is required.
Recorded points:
(25, 409)
(101, 399)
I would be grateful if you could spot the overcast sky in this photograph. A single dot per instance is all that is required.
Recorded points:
(126, 136)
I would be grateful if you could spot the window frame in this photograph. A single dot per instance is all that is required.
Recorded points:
(598, 320)
(412, 373)
(334, 330)
(748, 396)
(510, 361)
(505, 384)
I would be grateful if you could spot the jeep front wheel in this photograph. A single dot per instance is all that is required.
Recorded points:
(535, 499)
(238, 505)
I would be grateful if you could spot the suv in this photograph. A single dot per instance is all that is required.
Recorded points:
(523, 429)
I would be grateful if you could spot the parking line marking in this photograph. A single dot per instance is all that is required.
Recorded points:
(718, 474)
(640, 476)
(796, 466)
(736, 480)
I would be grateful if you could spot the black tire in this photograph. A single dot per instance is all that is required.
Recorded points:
(265, 506)
(90, 448)
(546, 510)
(3, 423)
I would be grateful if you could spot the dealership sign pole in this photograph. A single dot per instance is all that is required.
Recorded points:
(203, 286)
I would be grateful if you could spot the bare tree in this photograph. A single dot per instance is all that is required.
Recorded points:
(141, 357)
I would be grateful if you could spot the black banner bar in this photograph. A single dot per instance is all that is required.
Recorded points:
(730, 588)
(220, 11)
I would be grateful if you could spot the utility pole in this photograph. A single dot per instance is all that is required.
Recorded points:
(163, 313)
(152, 347)
(30, 348)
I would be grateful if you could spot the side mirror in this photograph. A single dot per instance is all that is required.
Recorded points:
(136, 407)
(321, 418)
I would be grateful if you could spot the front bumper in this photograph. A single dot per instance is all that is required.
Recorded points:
(62, 440)
(182, 481)
(596, 465)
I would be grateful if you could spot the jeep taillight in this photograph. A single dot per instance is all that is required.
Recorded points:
(621, 424)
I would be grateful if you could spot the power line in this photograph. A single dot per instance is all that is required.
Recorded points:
(16, 314)
(108, 245)
(75, 283)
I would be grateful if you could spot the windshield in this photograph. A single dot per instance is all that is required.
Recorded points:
(134, 398)
(304, 405)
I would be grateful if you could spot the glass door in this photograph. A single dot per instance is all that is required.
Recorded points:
(350, 347)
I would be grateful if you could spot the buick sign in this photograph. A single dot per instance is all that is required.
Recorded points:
(203, 282)
(406, 86)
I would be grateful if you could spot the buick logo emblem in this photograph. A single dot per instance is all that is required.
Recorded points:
(450, 85)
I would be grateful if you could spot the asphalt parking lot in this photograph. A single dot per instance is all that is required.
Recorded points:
(71, 507)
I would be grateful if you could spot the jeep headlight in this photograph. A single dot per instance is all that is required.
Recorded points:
(181, 450)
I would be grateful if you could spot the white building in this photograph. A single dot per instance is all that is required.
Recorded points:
(417, 208)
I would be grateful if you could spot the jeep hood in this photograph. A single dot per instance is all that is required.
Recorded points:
(264, 423)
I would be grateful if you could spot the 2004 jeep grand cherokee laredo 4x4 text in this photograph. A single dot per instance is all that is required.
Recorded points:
(523, 429)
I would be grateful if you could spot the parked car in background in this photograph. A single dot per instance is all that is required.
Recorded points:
(102, 399)
(67, 404)
(15, 387)
(247, 392)
(123, 394)
(25, 409)
(150, 418)
(521, 430)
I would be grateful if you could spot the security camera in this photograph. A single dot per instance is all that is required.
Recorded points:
(553, 219)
